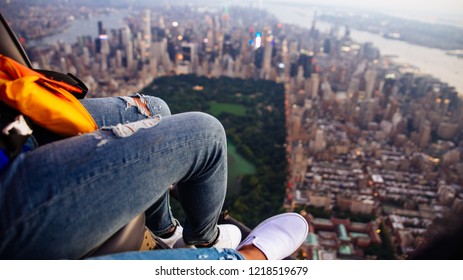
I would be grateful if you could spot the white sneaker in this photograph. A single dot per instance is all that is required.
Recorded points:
(176, 240)
(229, 236)
(278, 236)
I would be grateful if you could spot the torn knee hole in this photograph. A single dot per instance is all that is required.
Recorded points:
(142, 105)
(138, 102)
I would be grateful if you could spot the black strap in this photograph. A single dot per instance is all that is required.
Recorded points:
(68, 79)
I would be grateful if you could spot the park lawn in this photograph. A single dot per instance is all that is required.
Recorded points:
(237, 167)
(216, 108)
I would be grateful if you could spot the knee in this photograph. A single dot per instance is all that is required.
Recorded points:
(158, 106)
(210, 125)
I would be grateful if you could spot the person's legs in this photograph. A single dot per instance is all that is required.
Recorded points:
(66, 197)
(124, 109)
(273, 239)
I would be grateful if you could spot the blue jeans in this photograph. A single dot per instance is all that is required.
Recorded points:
(64, 198)
(177, 254)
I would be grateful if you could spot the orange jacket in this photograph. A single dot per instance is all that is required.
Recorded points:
(45, 101)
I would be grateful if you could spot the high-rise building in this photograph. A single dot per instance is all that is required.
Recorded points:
(100, 28)
(425, 134)
(104, 52)
(147, 26)
(63, 64)
(447, 130)
(220, 42)
(259, 57)
(119, 59)
(102, 35)
(319, 142)
(369, 51)
(189, 52)
(370, 80)
(305, 60)
(354, 86)
(326, 90)
(127, 43)
(85, 56)
(315, 84)
(387, 90)
(186, 58)
(368, 111)
(162, 23)
(146, 43)
(267, 43)
(293, 49)
(327, 46)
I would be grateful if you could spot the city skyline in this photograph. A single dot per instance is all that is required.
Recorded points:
(364, 135)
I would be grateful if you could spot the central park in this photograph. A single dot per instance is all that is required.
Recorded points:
(253, 115)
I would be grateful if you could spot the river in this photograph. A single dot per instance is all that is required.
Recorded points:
(86, 27)
(430, 61)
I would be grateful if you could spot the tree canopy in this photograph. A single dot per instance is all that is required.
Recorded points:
(253, 115)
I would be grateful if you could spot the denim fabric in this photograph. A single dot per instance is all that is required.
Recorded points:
(66, 197)
(177, 254)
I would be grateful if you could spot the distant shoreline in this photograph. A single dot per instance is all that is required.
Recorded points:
(430, 61)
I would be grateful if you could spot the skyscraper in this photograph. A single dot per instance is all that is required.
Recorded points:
(146, 33)
(389, 83)
(268, 48)
(319, 142)
(305, 60)
(128, 46)
(315, 82)
(370, 79)
(147, 27)
(425, 134)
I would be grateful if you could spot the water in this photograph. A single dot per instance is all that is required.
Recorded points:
(87, 27)
(430, 61)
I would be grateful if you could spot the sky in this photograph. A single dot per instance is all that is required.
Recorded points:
(436, 8)
(439, 7)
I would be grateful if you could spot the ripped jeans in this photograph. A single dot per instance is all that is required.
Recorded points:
(64, 198)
